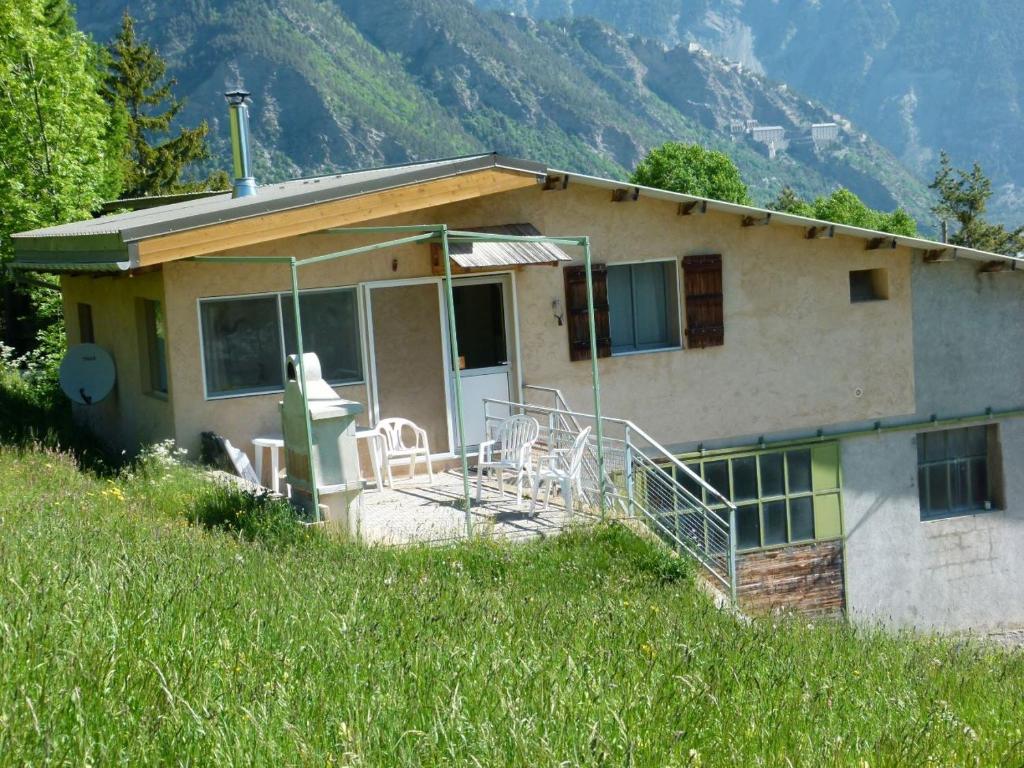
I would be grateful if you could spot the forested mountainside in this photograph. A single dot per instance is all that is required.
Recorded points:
(918, 75)
(344, 83)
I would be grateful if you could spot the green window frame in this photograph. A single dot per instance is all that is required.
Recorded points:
(782, 496)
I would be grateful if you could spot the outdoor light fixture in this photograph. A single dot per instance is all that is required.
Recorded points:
(556, 310)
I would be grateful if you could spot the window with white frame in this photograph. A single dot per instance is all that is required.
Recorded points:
(643, 306)
(245, 339)
(955, 471)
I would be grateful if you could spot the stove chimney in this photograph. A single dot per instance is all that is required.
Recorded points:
(244, 184)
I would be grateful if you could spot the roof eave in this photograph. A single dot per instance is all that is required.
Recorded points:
(792, 219)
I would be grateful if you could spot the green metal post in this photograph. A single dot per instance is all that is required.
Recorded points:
(453, 339)
(303, 387)
(596, 379)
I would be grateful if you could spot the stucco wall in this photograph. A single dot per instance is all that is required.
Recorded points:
(955, 573)
(796, 350)
(130, 417)
(959, 572)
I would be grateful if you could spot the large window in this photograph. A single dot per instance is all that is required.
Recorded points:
(781, 496)
(643, 306)
(245, 339)
(954, 471)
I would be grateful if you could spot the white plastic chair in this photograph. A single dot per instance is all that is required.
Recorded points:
(563, 466)
(510, 452)
(393, 445)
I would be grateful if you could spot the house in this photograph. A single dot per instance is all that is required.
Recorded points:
(858, 396)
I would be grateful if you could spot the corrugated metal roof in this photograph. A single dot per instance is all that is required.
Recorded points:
(470, 255)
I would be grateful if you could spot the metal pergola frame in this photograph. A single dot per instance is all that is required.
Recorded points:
(433, 233)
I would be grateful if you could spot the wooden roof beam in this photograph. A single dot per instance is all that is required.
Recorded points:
(815, 233)
(757, 221)
(877, 243)
(694, 206)
(995, 266)
(556, 181)
(939, 254)
(626, 195)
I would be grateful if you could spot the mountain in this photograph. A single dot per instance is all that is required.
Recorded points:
(917, 76)
(339, 84)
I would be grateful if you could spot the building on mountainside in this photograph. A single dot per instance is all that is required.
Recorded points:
(857, 396)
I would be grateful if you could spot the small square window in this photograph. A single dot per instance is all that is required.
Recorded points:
(869, 285)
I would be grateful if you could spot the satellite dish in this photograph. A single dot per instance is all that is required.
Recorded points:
(87, 373)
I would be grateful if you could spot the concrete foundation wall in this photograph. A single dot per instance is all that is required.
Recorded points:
(951, 574)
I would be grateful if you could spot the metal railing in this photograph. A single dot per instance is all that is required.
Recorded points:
(641, 480)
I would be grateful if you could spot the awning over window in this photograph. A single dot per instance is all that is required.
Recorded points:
(476, 255)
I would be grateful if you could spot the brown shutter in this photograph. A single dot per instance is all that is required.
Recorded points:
(702, 284)
(576, 311)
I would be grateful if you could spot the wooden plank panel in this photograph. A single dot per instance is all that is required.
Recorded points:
(312, 218)
(805, 578)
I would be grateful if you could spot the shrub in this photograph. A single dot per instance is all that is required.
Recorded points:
(257, 517)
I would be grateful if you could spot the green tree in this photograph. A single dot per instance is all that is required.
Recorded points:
(55, 135)
(692, 170)
(789, 201)
(963, 199)
(138, 87)
(844, 207)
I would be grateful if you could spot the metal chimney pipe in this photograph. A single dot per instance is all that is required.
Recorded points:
(238, 108)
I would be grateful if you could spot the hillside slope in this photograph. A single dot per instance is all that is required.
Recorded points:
(918, 76)
(344, 83)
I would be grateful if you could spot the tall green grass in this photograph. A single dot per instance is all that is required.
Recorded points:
(132, 634)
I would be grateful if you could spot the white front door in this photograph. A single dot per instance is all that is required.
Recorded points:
(484, 323)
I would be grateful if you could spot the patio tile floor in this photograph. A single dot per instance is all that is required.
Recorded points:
(414, 511)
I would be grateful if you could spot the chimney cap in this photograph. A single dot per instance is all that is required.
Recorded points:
(237, 96)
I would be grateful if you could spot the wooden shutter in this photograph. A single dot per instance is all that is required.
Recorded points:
(702, 285)
(576, 311)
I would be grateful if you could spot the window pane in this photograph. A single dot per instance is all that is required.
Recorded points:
(956, 443)
(620, 308)
(690, 483)
(773, 480)
(480, 324)
(716, 474)
(241, 345)
(938, 489)
(330, 328)
(977, 441)
(157, 335)
(958, 485)
(799, 471)
(744, 478)
(979, 483)
(934, 446)
(748, 525)
(775, 522)
(801, 519)
(649, 305)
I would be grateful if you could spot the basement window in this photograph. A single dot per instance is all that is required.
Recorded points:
(956, 471)
(869, 285)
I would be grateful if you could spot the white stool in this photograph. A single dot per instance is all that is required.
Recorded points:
(373, 448)
(276, 446)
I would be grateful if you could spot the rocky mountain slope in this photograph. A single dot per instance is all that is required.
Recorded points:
(344, 83)
(918, 76)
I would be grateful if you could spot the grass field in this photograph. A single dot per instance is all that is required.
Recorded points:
(130, 635)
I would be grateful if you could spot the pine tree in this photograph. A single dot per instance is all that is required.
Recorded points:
(137, 85)
(963, 198)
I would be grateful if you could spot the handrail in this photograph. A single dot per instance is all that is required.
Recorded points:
(625, 423)
(649, 484)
